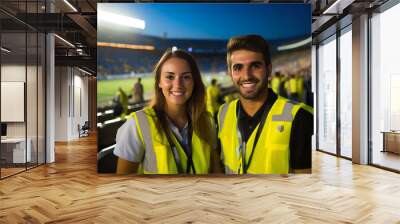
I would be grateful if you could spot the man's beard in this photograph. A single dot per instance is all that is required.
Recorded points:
(259, 89)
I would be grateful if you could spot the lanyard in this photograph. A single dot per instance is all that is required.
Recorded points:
(188, 150)
(242, 144)
(174, 150)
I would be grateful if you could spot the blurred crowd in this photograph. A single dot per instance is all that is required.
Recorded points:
(295, 86)
(290, 79)
(120, 61)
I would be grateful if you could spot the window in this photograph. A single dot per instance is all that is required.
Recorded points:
(346, 92)
(327, 95)
(385, 88)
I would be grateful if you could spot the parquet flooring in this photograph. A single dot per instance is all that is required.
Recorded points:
(9, 171)
(70, 191)
(387, 159)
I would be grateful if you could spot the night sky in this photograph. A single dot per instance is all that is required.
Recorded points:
(216, 20)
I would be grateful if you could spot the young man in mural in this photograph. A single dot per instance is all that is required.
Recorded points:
(261, 132)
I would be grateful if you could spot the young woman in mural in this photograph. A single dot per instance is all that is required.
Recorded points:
(175, 134)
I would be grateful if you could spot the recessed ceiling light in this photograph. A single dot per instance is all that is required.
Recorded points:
(5, 50)
(84, 71)
(64, 40)
(70, 5)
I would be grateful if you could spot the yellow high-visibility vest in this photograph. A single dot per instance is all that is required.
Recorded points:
(159, 157)
(212, 99)
(271, 153)
(300, 85)
(123, 99)
(292, 85)
(228, 98)
(275, 83)
(308, 108)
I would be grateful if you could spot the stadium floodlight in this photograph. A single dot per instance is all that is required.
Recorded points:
(121, 20)
(65, 41)
(295, 45)
(70, 5)
(5, 50)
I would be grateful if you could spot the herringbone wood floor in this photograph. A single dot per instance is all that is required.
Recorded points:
(70, 191)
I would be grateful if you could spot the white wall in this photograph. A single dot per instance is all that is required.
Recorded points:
(71, 93)
(61, 103)
(13, 73)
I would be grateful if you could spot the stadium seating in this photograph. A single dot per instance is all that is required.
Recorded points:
(105, 117)
(106, 160)
(106, 133)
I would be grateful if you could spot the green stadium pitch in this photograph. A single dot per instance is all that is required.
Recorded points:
(107, 89)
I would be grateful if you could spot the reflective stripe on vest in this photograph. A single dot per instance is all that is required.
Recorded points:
(222, 113)
(159, 158)
(271, 153)
(229, 171)
(150, 161)
(286, 114)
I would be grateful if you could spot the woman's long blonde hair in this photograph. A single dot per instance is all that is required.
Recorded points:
(195, 105)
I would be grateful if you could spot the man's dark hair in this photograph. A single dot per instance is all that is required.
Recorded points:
(213, 82)
(254, 43)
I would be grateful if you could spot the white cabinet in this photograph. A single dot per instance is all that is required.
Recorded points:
(16, 147)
